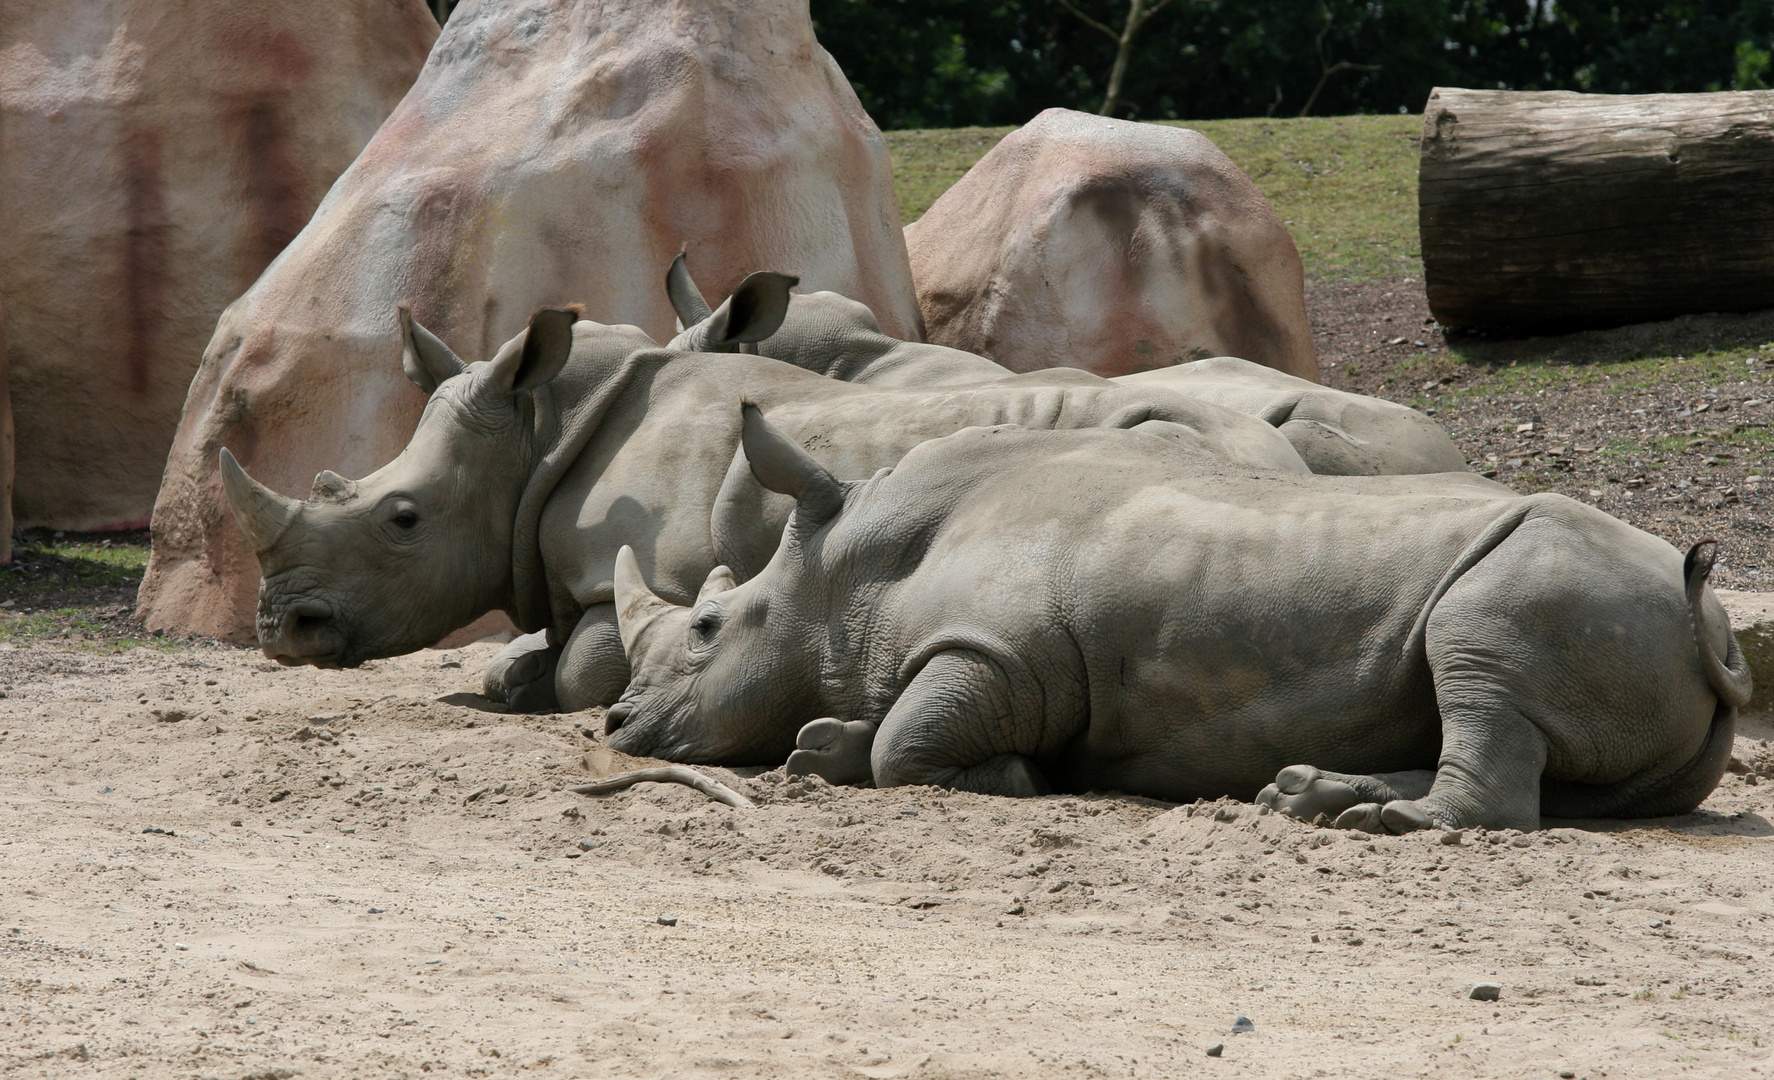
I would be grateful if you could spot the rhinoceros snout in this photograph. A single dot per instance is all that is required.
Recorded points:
(617, 715)
(304, 633)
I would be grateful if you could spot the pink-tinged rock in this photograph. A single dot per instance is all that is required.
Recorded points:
(551, 152)
(1116, 247)
(155, 155)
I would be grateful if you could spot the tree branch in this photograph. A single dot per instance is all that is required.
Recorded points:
(1113, 36)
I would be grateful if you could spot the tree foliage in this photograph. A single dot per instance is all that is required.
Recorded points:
(948, 63)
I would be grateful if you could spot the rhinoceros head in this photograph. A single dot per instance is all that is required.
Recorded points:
(392, 562)
(731, 678)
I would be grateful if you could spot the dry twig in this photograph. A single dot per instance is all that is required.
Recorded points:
(669, 774)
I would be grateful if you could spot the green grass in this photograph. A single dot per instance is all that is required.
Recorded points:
(1346, 185)
(82, 563)
(69, 628)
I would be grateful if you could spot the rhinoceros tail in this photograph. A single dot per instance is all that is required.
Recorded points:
(1729, 675)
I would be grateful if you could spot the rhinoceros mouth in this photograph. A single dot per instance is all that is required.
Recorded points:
(306, 632)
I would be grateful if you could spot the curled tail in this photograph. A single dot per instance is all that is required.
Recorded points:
(1729, 676)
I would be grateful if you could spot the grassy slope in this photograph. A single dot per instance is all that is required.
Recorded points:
(1346, 185)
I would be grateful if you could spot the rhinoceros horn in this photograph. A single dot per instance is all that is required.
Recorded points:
(261, 513)
(636, 605)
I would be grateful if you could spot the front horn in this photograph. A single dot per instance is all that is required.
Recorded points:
(636, 605)
(261, 513)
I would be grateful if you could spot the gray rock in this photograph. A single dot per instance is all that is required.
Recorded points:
(1216, 1049)
(668, 920)
(1486, 991)
(1242, 1024)
(1453, 837)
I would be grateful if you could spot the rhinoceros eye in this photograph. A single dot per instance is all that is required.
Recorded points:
(402, 514)
(704, 625)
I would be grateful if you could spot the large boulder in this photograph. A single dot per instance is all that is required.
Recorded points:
(552, 152)
(1116, 247)
(155, 155)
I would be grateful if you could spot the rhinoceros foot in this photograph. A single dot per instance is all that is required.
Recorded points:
(1374, 804)
(522, 675)
(834, 750)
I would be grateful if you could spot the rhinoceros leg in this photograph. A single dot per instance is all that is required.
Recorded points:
(593, 669)
(953, 727)
(1305, 792)
(522, 674)
(834, 750)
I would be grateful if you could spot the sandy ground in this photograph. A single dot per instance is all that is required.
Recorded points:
(214, 867)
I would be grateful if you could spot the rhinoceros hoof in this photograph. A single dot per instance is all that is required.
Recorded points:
(834, 750)
(1363, 817)
(1402, 816)
(522, 675)
(1304, 792)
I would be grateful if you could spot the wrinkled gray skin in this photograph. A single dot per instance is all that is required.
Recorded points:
(1013, 612)
(528, 472)
(1335, 432)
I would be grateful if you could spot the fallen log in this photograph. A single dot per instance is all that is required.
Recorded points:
(1560, 211)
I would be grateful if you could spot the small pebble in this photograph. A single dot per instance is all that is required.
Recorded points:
(158, 831)
(1486, 991)
(668, 920)
(378, 910)
(1242, 1024)
(587, 845)
(1453, 836)
(1566, 1074)
(1216, 1049)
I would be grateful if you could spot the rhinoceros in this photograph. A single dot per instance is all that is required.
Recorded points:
(527, 472)
(1012, 612)
(1335, 432)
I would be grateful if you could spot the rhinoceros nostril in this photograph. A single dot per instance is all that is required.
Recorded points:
(617, 715)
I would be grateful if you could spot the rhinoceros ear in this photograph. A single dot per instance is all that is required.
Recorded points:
(537, 356)
(426, 360)
(636, 605)
(781, 465)
(686, 298)
(719, 580)
(754, 311)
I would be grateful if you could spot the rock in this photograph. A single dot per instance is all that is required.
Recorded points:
(1216, 1049)
(668, 920)
(157, 831)
(1453, 837)
(1242, 1024)
(1486, 991)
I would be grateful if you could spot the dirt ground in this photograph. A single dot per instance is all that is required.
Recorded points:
(211, 866)
(215, 867)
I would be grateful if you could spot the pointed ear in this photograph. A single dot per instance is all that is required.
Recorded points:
(754, 311)
(781, 465)
(686, 298)
(426, 360)
(538, 354)
(636, 605)
(720, 580)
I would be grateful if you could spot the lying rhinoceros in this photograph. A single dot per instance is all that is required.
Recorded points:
(1336, 433)
(527, 472)
(1021, 611)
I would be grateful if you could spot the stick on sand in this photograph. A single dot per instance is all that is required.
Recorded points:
(669, 774)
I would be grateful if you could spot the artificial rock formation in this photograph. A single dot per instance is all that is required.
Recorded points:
(552, 152)
(155, 155)
(1080, 241)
